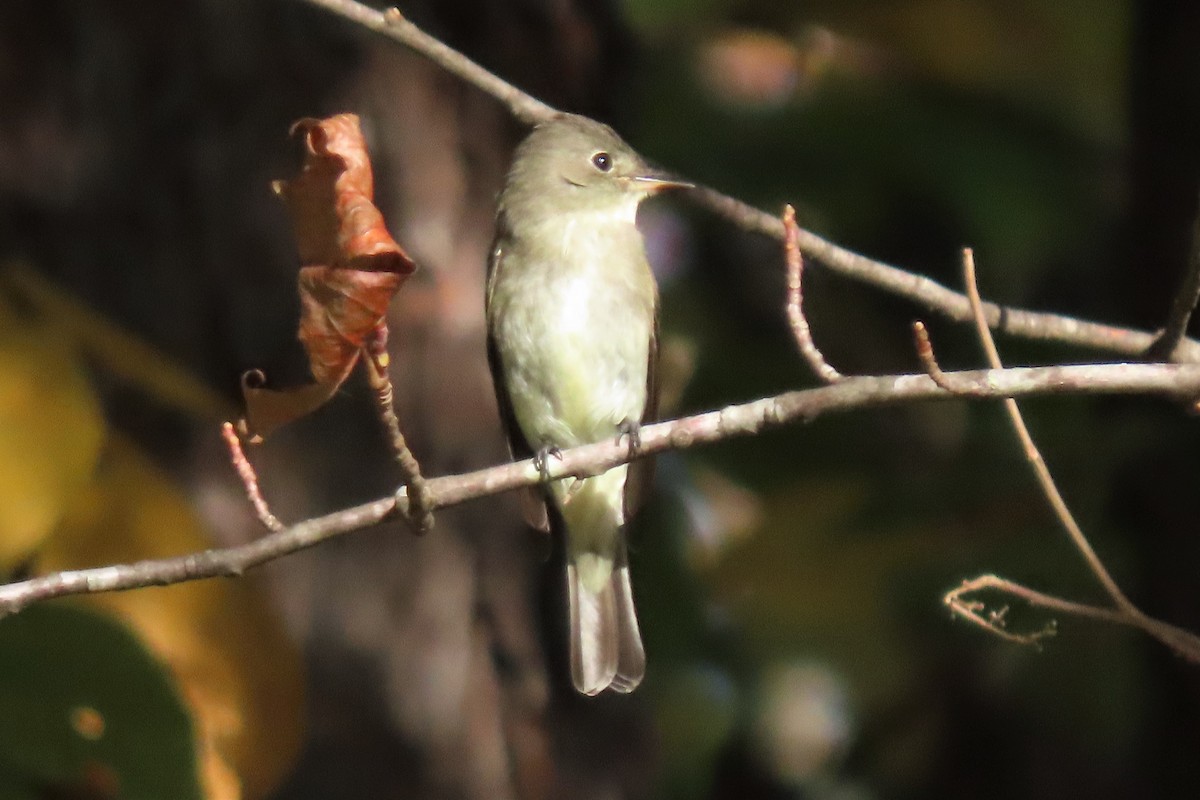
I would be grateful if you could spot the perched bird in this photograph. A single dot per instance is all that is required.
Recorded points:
(572, 316)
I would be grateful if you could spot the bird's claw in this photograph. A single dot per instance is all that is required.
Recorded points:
(541, 460)
(632, 430)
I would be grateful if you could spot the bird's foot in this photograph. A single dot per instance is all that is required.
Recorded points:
(633, 430)
(541, 460)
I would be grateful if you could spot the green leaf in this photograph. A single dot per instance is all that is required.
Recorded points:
(88, 710)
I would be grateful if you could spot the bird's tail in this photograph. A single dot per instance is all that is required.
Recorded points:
(606, 644)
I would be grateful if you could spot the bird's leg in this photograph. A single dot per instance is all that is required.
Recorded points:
(541, 460)
(633, 430)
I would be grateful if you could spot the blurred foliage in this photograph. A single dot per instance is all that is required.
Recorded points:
(788, 585)
(51, 434)
(115, 351)
(903, 130)
(232, 661)
(89, 712)
(80, 496)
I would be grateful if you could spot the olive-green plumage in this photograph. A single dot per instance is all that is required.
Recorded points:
(572, 316)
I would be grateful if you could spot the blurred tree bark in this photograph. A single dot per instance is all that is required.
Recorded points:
(137, 145)
(1164, 162)
(1156, 490)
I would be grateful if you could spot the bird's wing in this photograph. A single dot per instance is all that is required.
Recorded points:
(533, 502)
(641, 472)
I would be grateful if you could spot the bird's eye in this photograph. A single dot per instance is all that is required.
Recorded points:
(602, 161)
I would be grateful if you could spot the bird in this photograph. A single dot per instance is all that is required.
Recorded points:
(572, 323)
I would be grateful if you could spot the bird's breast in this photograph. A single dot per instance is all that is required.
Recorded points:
(572, 314)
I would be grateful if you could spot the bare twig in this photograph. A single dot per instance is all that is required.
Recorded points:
(1183, 304)
(245, 471)
(996, 622)
(795, 301)
(1123, 612)
(1166, 380)
(936, 297)
(1032, 455)
(950, 383)
(395, 26)
(420, 510)
(958, 600)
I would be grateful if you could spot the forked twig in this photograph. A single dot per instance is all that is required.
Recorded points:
(1183, 642)
(1032, 455)
(1123, 612)
(795, 301)
(996, 623)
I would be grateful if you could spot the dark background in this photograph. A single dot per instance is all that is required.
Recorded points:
(789, 585)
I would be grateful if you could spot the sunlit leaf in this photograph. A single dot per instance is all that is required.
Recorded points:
(351, 266)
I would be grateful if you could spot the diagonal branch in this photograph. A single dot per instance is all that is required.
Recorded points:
(1033, 455)
(420, 511)
(934, 296)
(1123, 612)
(917, 288)
(795, 301)
(395, 26)
(1173, 381)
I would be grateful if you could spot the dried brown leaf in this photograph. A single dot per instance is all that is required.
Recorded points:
(351, 267)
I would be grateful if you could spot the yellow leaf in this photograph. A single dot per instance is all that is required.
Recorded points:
(51, 431)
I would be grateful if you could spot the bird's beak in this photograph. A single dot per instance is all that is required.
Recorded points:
(653, 181)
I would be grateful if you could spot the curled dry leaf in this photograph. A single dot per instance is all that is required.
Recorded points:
(351, 268)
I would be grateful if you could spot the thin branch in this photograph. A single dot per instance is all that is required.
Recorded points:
(921, 290)
(245, 471)
(420, 510)
(1183, 642)
(951, 383)
(1124, 611)
(1183, 304)
(1167, 380)
(934, 296)
(393, 24)
(996, 622)
(795, 301)
(1032, 454)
